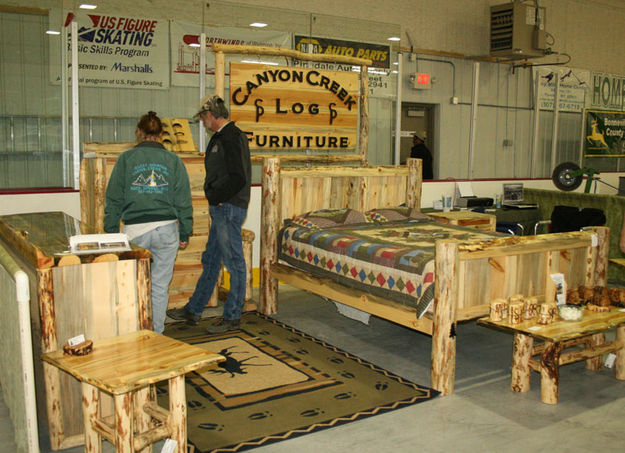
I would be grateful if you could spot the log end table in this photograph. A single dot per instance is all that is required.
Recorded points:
(555, 338)
(127, 367)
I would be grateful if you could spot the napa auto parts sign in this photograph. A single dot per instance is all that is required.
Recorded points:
(381, 84)
(117, 51)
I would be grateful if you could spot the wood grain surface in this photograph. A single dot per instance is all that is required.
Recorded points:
(131, 361)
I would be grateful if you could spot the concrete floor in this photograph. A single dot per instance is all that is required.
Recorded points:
(482, 415)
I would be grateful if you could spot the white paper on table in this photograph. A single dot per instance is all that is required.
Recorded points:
(464, 189)
(82, 244)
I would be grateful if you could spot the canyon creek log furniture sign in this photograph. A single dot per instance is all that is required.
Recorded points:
(323, 88)
(285, 108)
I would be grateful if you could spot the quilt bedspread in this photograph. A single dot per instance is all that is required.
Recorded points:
(394, 260)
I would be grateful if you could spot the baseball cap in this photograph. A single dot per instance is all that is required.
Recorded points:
(208, 103)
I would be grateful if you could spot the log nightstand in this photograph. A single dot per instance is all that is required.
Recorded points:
(126, 367)
(486, 222)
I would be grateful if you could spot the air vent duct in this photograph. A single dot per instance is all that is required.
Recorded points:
(516, 31)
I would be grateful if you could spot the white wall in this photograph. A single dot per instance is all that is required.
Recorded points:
(68, 203)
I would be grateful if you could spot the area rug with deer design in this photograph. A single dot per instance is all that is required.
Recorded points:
(277, 383)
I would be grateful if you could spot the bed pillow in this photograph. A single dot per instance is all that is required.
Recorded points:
(324, 218)
(392, 213)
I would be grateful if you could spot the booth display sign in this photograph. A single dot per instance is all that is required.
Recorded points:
(605, 134)
(608, 91)
(574, 86)
(379, 54)
(185, 51)
(288, 108)
(116, 51)
(381, 83)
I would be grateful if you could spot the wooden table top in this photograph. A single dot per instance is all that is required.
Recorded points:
(592, 322)
(42, 238)
(128, 362)
(618, 261)
(460, 215)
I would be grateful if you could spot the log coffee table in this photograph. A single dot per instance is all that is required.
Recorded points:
(555, 338)
(127, 366)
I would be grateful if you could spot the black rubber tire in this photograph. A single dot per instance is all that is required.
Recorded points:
(563, 178)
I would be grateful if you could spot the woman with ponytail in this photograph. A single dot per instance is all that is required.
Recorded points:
(149, 192)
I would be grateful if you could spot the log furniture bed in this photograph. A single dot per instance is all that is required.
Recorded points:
(467, 275)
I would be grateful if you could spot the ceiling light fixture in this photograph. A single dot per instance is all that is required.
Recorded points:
(394, 38)
(258, 24)
(270, 63)
(53, 32)
(88, 6)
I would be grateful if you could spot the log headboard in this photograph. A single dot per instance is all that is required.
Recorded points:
(291, 191)
(361, 188)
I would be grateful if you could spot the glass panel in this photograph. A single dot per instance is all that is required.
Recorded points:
(31, 107)
(30, 121)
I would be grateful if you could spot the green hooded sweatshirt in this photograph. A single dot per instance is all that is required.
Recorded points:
(149, 184)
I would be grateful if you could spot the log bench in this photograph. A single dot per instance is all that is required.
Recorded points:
(554, 339)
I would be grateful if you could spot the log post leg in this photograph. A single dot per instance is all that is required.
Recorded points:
(90, 405)
(123, 423)
(220, 73)
(144, 301)
(178, 413)
(49, 342)
(413, 187)
(363, 139)
(619, 365)
(270, 218)
(600, 270)
(443, 358)
(521, 355)
(248, 240)
(595, 363)
(550, 373)
(142, 419)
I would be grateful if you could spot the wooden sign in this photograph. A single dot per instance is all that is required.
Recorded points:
(286, 108)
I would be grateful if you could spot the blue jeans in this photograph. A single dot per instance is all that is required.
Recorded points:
(224, 244)
(163, 242)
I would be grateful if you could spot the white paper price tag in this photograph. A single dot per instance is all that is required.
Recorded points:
(78, 339)
(169, 446)
(609, 360)
(558, 279)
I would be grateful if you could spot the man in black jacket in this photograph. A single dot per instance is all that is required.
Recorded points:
(420, 151)
(227, 189)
